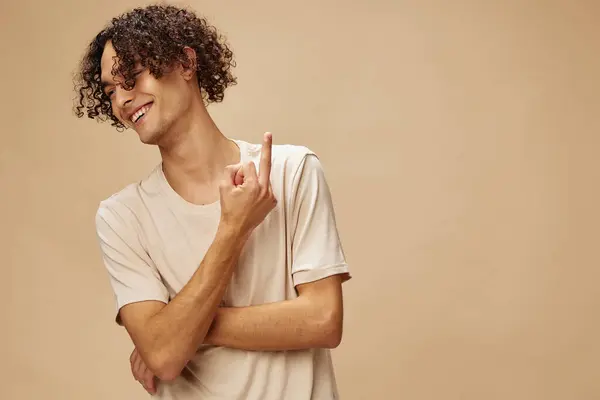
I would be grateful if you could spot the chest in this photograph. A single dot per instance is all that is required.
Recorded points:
(177, 243)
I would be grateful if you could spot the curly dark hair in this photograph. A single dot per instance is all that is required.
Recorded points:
(154, 36)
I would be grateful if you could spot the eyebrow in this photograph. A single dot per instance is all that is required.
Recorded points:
(104, 83)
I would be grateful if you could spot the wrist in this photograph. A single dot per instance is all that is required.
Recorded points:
(211, 335)
(208, 339)
(232, 233)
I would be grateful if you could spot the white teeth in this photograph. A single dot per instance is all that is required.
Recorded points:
(140, 113)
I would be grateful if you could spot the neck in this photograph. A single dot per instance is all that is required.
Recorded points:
(195, 151)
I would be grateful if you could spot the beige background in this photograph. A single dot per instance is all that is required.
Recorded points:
(460, 140)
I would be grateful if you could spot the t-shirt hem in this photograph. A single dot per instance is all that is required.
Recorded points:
(302, 276)
(123, 302)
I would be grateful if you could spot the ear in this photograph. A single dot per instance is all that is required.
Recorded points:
(189, 70)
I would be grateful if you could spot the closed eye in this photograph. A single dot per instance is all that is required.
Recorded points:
(111, 91)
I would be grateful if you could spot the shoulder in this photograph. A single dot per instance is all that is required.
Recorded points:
(118, 202)
(124, 206)
(291, 152)
(287, 159)
(301, 163)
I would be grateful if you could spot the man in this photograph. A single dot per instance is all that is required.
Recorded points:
(225, 259)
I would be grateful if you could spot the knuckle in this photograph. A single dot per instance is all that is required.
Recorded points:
(264, 194)
(230, 169)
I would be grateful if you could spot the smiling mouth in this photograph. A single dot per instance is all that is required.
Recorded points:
(140, 114)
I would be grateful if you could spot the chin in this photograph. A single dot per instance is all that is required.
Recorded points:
(149, 140)
(148, 137)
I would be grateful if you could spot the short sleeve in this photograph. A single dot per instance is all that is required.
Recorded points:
(317, 251)
(133, 276)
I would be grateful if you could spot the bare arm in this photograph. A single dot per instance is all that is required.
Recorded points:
(167, 336)
(313, 320)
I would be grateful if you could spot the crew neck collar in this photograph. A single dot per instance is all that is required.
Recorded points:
(182, 203)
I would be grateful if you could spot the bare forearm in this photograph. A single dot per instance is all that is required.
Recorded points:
(288, 325)
(174, 334)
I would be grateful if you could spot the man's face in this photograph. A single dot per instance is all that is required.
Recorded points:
(152, 106)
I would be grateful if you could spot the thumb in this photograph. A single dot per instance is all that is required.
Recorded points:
(249, 171)
(229, 174)
(239, 177)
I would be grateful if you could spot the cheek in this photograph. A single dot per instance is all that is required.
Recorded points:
(171, 102)
(115, 112)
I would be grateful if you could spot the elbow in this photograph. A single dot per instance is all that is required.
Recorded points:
(333, 339)
(167, 374)
(331, 329)
(164, 367)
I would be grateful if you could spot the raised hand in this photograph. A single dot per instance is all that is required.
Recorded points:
(247, 197)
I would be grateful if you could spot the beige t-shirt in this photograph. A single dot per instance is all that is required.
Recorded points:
(152, 242)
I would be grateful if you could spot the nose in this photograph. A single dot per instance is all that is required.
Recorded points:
(123, 97)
